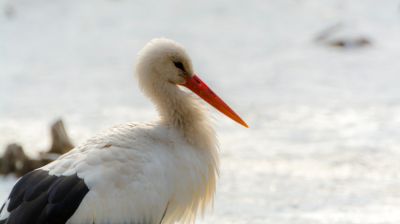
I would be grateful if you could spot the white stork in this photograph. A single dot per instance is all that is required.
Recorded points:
(161, 172)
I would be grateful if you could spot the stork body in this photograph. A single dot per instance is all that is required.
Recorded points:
(162, 172)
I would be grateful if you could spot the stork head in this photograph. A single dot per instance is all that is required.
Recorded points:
(163, 62)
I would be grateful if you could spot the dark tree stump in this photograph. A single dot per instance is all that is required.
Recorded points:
(15, 160)
(60, 140)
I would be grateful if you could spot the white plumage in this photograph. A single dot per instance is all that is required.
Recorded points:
(134, 172)
(163, 172)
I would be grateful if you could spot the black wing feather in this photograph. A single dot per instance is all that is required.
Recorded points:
(42, 198)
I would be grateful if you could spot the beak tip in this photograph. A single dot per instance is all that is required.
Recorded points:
(241, 122)
(245, 125)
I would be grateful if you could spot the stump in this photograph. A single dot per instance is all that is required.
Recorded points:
(344, 37)
(60, 140)
(15, 160)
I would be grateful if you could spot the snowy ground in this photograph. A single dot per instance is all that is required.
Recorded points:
(324, 143)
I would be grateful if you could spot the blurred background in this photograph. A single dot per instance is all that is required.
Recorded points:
(317, 81)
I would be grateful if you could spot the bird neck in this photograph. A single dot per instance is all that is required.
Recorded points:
(185, 113)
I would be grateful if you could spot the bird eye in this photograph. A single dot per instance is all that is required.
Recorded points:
(179, 65)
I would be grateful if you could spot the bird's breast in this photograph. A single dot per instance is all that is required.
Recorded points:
(136, 175)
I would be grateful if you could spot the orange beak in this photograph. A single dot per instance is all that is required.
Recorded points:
(202, 90)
